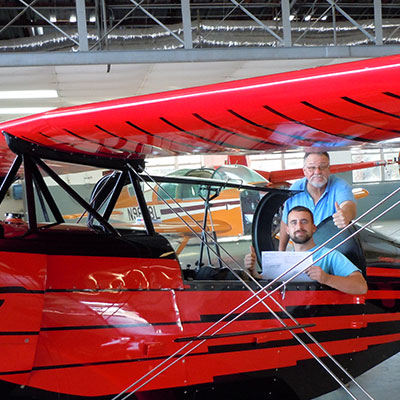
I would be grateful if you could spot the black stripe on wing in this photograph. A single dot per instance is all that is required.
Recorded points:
(218, 143)
(115, 151)
(363, 105)
(73, 145)
(31, 140)
(131, 124)
(258, 141)
(250, 122)
(147, 149)
(349, 137)
(314, 107)
(396, 96)
(56, 140)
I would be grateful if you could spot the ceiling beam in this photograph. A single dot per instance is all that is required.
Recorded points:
(193, 55)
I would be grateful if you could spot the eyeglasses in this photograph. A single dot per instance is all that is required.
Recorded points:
(320, 167)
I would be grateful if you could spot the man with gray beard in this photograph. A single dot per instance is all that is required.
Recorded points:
(322, 193)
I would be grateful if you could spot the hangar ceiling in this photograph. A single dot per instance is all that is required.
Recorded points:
(96, 50)
(30, 25)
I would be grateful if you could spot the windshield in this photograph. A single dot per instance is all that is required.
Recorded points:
(238, 174)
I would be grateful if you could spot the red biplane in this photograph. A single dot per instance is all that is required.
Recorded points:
(106, 309)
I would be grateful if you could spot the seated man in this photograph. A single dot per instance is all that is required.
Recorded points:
(324, 194)
(334, 270)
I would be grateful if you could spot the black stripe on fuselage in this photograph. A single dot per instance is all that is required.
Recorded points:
(19, 289)
(313, 312)
(19, 333)
(372, 330)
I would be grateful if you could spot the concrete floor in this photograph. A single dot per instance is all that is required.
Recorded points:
(383, 381)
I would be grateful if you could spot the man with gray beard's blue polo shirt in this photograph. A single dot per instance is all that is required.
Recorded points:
(324, 194)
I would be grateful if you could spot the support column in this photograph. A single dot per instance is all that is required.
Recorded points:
(287, 34)
(82, 27)
(378, 22)
(187, 24)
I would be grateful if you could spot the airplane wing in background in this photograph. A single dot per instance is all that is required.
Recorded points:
(297, 173)
(329, 107)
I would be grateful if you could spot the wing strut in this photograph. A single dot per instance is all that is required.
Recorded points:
(82, 202)
(177, 356)
(204, 242)
(9, 179)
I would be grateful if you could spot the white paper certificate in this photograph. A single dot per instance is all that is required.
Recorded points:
(275, 263)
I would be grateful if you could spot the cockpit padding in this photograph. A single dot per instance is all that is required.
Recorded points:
(351, 248)
(207, 272)
(266, 223)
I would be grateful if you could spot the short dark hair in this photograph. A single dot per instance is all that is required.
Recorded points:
(320, 153)
(302, 208)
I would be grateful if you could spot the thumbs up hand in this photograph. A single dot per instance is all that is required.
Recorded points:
(250, 263)
(339, 217)
(250, 259)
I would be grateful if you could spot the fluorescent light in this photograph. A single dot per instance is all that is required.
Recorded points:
(28, 94)
(324, 18)
(53, 18)
(40, 30)
(24, 110)
(291, 18)
(307, 18)
(72, 18)
(92, 18)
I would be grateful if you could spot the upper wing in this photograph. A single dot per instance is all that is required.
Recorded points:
(335, 106)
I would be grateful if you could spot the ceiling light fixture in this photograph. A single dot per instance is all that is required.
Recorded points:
(24, 110)
(28, 94)
(72, 18)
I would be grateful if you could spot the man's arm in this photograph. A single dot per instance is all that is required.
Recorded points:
(345, 212)
(352, 284)
(283, 237)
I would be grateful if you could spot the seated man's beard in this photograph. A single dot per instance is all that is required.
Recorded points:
(301, 239)
(320, 183)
